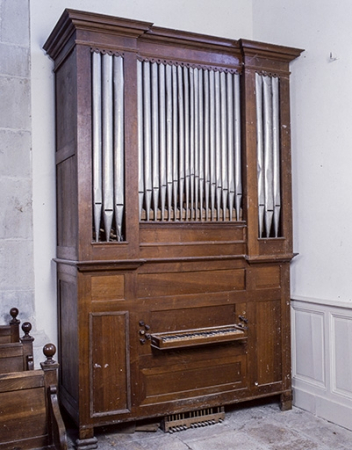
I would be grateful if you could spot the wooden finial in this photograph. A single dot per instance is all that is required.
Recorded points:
(49, 351)
(14, 314)
(26, 328)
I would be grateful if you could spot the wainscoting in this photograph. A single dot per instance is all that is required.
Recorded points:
(322, 358)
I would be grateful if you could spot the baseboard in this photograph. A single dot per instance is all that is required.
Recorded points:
(322, 407)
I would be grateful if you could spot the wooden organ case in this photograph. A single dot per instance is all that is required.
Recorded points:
(174, 235)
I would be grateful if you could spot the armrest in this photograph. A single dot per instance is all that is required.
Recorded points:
(57, 425)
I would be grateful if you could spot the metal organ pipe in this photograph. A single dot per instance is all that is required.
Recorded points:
(181, 131)
(108, 145)
(190, 127)
(140, 138)
(276, 155)
(224, 149)
(212, 144)
(169, 141)
(119, 162)
(187, 139)
(268, 155)
(97, 143)
(192, 140)
(108, 174)
(206, 144)
(230, 140)
(162, 129)
(238, 160)
(175, 137)
(196, 143)
(201, 141)
(217, 143)
(148, 187)
(260, 152)
(155, 138)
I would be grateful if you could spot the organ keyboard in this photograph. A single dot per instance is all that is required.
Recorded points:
(199, 336)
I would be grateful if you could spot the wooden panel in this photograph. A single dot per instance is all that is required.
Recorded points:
(192, 317)
(309, 346)
(189, 250)
(109, 363)
(66, 202)
(185, 379)
(156, 285)
(22, 380)
(109, 287)
(265, 277)
(11, 358)
(66, 89)
(9, 333)
(69, 358)
(208, 372)
(341, 354)
(273, 246)
(11, 350)
(15, 425)
(171, 233)
(268, 328)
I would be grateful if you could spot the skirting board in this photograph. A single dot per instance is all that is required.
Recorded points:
(325, 408)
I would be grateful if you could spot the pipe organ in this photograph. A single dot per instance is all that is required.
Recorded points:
(174, 230)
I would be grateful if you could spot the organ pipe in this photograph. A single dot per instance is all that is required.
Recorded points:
(147, 138)
(268, 155)
(108, 145)
(276, 155)
(119, 179)
(189, 145)
(194, 135)
(181, 132)
(206, 144)
(108, 174)
(230, 140)
(238, 162)
(175, 156)
(155, 138)
(140, 138)
(97, 143)
(162, 128)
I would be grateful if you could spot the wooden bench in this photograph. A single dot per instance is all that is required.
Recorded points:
(16, 354)
(29, 410)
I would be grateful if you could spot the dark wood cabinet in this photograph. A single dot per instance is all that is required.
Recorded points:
(174, 228)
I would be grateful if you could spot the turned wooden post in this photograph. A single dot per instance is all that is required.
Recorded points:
(14, 322)
(56, 427)
(27, 341)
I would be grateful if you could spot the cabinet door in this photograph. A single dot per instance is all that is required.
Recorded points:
(109, 363)
(268, 345)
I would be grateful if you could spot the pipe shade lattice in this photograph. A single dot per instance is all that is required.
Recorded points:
(268, 155)
(189, 143)
(108, 146)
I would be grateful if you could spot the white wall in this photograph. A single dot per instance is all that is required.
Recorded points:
(225, 18)
(321, 138)
(322, 160)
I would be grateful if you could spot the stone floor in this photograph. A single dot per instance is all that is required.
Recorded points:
(258, 427)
